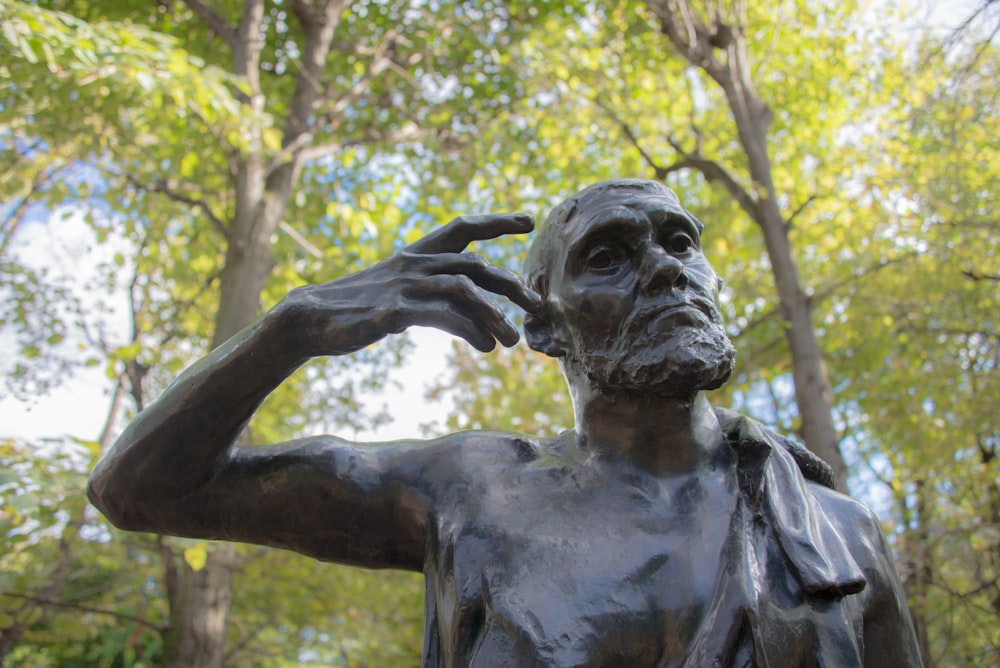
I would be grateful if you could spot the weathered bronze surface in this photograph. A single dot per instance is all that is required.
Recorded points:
(658, 532)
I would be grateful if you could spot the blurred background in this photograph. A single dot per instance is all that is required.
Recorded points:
(168, 170)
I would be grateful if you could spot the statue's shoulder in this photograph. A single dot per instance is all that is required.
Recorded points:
(740, 428)
(844, 541)
(472, 452)
(457, 469)
(852, 516)
(819, 477)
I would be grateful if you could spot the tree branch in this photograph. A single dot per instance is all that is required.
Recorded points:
(974, 223)
(802, 207)
(381, 60)
(950, 331)
(319, 25)
(246, 46)
(976, 276)
(833, 288)
(21, 153)
(957, 33)
(288, 151)
(300, 240)
(311, 153)
(714, 172)
(85, 608)
(296, 138)
(303, 11)
(353, 49)
(13, 220)
(688, 34)
(632, 138)
(760, 320)
(711, 170)
(165, 187)
(408, 132)
(104, 439)
(212, 19)
(987, 450)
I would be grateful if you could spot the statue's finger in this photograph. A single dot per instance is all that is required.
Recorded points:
(459, 233)
(488, 276)
(443, 316)
(464, 297)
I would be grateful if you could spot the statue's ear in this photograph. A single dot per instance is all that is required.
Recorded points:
(540, 333)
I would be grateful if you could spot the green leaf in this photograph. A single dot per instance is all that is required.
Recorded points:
(196, 556)
(188, 164)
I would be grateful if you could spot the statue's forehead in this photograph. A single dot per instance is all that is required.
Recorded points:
(616, 204)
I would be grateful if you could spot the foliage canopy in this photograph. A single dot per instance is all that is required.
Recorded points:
(167, 131)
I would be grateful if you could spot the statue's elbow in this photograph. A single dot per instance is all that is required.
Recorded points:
(116, 499)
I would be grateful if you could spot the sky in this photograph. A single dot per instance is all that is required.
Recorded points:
(66, 248)
(78, 407)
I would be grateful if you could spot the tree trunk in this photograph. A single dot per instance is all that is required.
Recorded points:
(201, 601)
(812, 386)
(199, 610)
(728, 65)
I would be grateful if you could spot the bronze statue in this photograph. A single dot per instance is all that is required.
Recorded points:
(658, 532)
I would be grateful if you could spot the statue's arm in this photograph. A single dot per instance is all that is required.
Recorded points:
(890, 639)
(176, 468)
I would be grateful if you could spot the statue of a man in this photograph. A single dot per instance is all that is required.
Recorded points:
(658, 532)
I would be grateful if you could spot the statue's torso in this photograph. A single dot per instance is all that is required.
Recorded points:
(556, 562)
(558, 568)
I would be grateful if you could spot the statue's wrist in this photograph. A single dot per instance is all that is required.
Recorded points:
(284, 332)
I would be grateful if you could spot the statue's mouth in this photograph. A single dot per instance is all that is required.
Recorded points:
(693, 312)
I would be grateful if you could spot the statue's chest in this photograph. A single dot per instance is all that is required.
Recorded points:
(561, 573)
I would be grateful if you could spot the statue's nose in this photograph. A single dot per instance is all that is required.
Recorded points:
(661, 270)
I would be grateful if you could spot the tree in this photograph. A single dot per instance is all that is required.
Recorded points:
(203, 172)
(304, 113)
(719, 48)
(189, 139)
(927, 384)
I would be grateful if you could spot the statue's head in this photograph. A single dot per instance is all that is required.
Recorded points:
(630, 300)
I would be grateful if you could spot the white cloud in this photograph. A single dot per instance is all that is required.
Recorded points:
(66, 246)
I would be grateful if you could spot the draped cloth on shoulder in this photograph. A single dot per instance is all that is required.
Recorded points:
(776, 506)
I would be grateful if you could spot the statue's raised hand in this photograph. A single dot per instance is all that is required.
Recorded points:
(432, 282)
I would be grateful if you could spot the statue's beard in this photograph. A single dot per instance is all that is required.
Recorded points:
(679, 361)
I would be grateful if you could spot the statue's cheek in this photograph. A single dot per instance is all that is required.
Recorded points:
(599, 310)
(703, 277)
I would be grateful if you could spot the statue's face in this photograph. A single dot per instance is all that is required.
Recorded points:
(635, 299)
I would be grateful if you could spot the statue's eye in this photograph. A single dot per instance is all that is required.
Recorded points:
(603, 257)
(679, 243)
